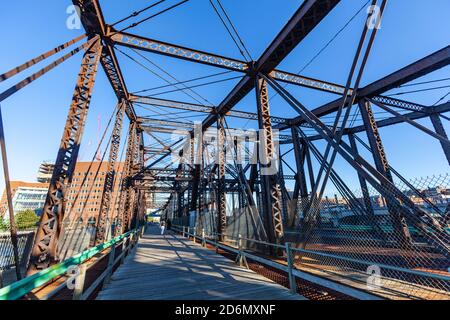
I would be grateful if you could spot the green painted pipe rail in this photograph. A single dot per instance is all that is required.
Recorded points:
(20, 288)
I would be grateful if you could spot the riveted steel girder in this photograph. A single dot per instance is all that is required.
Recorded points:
(126, 189)
(102, 221)
(382, 165)
(221, 201)
(271, 189)
(434, 61)
(45, 250)
(305, 19)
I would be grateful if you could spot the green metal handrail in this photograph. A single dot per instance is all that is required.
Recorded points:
(20, 288)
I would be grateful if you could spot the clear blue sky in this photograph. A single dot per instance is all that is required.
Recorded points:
(34, 117)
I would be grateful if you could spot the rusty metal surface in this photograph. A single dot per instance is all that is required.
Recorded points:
(45, 251)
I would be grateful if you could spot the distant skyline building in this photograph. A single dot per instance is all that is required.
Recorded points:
(45, 172)
(32, 195)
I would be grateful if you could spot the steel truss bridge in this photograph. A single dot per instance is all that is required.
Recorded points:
(240, 207)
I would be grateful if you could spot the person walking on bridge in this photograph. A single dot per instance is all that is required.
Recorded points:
(163, 227)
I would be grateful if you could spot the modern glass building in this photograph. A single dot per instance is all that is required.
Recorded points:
(25, 195)
(29, 198)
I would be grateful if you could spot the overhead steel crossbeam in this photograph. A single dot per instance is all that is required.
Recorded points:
(150, 125)
(305, 19)
(401, 104)
(175, 51)
(197, 108)
(168, 123)
(171, 50)
(292, 78)
(93, 22)
(433, 62)
(389, 121)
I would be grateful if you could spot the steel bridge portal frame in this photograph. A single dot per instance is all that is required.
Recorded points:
(256, 75)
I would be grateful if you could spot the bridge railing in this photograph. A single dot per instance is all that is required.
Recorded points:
(293, 274)
(7, 265)
(289, 251)
(73, 271)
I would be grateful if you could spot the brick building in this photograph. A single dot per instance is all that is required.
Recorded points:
(33, 194)
(90, 195)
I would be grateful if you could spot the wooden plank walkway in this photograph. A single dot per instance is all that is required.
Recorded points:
(170, 267)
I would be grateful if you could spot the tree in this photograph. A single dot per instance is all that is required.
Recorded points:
(26, 219)
(3, 225)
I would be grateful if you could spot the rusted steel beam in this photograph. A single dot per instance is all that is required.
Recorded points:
(307, 17)
(94, 23)
(271, 191)
(197, 56)
(45, 250)
(39, 58)
(197, 108)
(171, 50)
(126, 189)
(389, 122)
(407, 74)
(102, 221)
(298, 80)
(440, 130)
(221, 201)
(382, 165)
(18, 86)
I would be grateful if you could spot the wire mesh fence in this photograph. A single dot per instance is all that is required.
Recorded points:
(7, 263)
(399, 242)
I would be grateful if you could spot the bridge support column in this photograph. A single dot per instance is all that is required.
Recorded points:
(271, 193)
(221, 200)
(196, 171)
(132, 195)
(382, 165)
(362, 181)
(300, 188)
(102, 221)
(439, 128)
(126, 189)
(285, 197)
(45, 250)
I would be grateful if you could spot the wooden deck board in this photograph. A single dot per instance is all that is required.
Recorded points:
(173, 268)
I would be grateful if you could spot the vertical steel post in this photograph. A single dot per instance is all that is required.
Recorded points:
(125, 196)
(382, 165)
(45, 250)
(362, 181)
(271, 193)
(221, 200)
(132, 199)
(12, 223)
(241, 259)
(307, 151)
(285, 198)
(300, 188)
(102, 221)
(203, 238)
(290, 262)
(439, 128)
